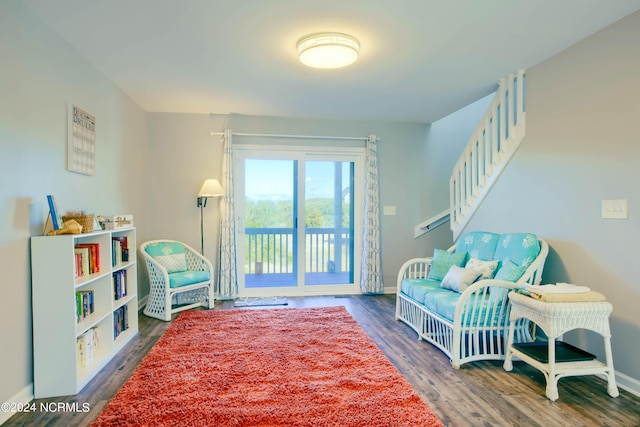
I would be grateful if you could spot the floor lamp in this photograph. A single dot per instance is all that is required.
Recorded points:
(210, 188)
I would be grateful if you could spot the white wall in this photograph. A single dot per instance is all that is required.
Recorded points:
(40, 74)
(181, 146)
(446, 139)
(582, 146)
(182, 155)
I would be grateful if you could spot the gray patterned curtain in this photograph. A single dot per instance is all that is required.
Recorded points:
(227, 271)
(371, 267)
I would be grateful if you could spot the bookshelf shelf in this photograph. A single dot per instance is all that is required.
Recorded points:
(84, 310)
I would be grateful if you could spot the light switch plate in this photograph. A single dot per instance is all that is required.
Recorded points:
(615, 209)
(389, 210)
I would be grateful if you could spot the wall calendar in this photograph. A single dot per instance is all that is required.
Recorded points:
(81, 144)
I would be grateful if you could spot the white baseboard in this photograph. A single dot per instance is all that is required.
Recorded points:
(390, 289)
(142, 302)
(23, 396)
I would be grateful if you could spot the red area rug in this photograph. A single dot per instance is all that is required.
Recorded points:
(271, 367)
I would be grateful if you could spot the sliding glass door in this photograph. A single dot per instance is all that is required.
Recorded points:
(297, 222)
(270, 212)
(328, 231)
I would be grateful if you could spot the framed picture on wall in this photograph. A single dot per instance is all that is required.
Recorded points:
(81, 141)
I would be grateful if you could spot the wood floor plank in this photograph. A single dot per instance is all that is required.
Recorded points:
(477, 394)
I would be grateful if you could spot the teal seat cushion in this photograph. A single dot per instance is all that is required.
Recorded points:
(519, 248)
(479, 244)
(487, 311)
(185, 278)
(442, 302)
(418, 288)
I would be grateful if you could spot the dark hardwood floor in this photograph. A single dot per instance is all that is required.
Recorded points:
(478, 394)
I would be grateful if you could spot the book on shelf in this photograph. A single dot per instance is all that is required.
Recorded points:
(87, 345)
(56, 218)
(119, 284)
(84, 304)
(90, 258)
(120, 249)
(120, 321)
(82, 256)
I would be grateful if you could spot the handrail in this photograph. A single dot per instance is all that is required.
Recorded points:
(488, 151)
(431, 223)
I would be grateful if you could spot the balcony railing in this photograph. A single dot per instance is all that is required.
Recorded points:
(272, 250)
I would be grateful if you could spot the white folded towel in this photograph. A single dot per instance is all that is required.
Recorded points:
(558, 288)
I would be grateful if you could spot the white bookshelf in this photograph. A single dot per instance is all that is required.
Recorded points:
(57, 369)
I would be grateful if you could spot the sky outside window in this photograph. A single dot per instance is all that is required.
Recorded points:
(273, 179)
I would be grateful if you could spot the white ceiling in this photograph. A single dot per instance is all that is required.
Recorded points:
(420, 59)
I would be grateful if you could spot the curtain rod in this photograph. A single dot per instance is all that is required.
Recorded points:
(267, 135)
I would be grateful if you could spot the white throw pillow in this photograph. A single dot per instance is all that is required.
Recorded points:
(458, 279)
(173, 263)
(487, 268)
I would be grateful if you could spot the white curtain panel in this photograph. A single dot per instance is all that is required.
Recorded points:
(227, 271)
(371, 267)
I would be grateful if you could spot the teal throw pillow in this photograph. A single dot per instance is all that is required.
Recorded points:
(510, 272)
(442, 262)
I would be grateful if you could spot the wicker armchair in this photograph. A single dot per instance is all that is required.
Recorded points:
(179, 278)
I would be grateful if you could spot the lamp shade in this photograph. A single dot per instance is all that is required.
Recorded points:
(211, 188)
(328, 50)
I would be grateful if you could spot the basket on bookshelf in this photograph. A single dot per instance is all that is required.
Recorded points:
(86, 221)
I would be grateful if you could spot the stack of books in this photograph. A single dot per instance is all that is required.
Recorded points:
(87, 258)
(120, 321)
(87, 344)
(84, 304)
(119, 250)
(119, 284)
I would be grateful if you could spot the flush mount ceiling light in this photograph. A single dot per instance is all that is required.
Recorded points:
(328, 50)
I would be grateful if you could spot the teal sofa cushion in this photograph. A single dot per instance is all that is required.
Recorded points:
(442, 302)
(519, 248)
(479, 244)
(418, 288)
(171, 255)
(185, 278)
(165, 248)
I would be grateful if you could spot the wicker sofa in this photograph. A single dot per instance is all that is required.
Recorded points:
(466, 316)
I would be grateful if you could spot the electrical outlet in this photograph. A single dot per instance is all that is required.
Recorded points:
(615, 209)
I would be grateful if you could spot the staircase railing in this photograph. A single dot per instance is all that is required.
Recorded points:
(489, 150)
